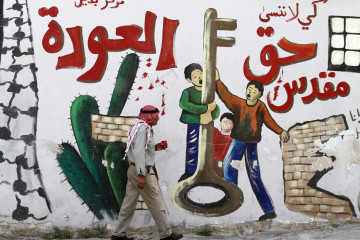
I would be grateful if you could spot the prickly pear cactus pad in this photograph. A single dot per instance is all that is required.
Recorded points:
(101, 187)
(117, 168)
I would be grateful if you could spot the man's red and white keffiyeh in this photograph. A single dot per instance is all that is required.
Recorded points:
(133, 130)
(146, 116)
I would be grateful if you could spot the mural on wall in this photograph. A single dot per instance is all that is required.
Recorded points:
(279, 53)
(205, 175)
(249, 116)
(302, 160)
(222, 141)
(1, 25)
(104, 5)
(344, 43)
(20, 171)
(269, 57)
(291, 13)
(102, 189)
(193, 114)
(354, 118)
(100, 45)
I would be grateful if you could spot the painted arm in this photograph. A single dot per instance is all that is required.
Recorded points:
(215, 113)
(207, 117)
(191, 107)
(269, 121)
(226, 96)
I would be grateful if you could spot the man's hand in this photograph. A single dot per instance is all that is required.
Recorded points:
(141, 181)
(284, 136)
(205, 118)
(211, 106)
(217, 75)
(159, 147)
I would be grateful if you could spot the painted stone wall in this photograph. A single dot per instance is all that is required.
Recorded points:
(301, 172)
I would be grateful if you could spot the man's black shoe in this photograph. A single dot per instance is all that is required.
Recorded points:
(121, 238)
(173, 237)
(185, 176)
(266, 216)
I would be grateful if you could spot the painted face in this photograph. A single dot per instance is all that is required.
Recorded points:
(226, 124)
(252, 93)
(196, 78)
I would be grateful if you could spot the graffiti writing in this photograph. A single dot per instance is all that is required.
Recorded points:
(294, 14)
(105, 4)
(52, 12)
(100, 44)
(269, 57)
(354, 118)
(329, 92)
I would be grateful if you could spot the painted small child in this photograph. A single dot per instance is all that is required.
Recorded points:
(193, 114)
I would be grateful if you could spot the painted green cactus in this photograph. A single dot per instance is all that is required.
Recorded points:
(128, 70)
(102, 189)
(80, 177)
(117, 168)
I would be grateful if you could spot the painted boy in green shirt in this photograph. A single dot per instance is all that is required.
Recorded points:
(193, 114)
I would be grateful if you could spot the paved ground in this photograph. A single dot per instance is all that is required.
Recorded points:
(245, 231)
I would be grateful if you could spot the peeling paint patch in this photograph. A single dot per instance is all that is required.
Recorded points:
(104, 163)
(238, 164)
(271, 155)
(345, 148)
(170, 78)
(255, 164)
(322, 163)
(50, 146)
(164, 187)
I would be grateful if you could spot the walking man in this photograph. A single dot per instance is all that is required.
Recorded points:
(140, 152)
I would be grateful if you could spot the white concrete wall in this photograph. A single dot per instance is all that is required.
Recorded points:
(59, 88)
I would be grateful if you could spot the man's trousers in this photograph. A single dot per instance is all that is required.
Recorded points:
(153, 200)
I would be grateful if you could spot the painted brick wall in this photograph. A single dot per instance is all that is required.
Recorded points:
(300, 175)
(111, 129)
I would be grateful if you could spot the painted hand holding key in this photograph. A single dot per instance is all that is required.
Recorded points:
(205, 118)
(205, 175)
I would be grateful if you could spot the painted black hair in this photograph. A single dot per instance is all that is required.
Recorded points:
(258, 85)
(190, 68)
(227, 115)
